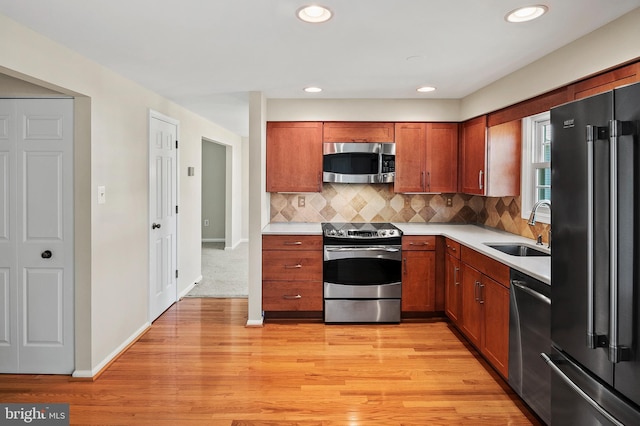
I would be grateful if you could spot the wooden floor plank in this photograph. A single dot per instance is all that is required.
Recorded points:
(199, 364)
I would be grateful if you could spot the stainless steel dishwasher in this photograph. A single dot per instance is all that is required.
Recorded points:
(529, 336)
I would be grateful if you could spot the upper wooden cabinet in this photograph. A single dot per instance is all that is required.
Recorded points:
(490, 158)
(426, 157)
(605, 82)
(358, 132)
(473, 154)
(294, 156)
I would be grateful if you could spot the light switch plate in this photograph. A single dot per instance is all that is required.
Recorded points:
(102, 196)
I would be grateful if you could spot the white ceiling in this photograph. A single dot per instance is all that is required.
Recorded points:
(208, 54)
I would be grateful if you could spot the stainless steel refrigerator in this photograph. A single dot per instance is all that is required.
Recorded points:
(595, 288)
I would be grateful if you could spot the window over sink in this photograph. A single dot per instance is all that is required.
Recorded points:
(536, 164)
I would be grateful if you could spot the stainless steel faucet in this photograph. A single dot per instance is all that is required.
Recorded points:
(534, 210)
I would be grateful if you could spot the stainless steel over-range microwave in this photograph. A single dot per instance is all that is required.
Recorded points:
(360, 162)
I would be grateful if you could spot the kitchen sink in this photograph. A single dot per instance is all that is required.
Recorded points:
(522, 250)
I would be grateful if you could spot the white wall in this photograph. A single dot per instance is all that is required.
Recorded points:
(363, 109)
(111, 150)
(214, 178)
(609, 46)
(613, 44)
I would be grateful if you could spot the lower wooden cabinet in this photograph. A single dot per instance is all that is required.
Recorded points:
(291, 296)
(292, 273)
(485, 307)
(452, 282)
(418, 273)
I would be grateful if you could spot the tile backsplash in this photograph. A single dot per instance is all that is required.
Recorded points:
(378, 203)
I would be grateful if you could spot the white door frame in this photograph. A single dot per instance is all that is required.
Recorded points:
(157, 115)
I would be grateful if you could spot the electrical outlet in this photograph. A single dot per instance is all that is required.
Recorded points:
(301, 201)
(206, 222)
(449, 202)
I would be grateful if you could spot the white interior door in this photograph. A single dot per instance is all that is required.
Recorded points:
(163, 205)
(36, 236)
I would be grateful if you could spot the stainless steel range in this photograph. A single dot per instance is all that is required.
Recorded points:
(362, 272)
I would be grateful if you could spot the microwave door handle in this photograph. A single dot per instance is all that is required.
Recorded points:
(380, 163)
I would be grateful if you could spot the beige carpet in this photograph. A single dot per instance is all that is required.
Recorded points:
(224, 272)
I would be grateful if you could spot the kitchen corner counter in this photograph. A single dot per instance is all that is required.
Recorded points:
(475, 237)
(292, 228)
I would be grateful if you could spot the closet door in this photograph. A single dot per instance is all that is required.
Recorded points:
(38, 236)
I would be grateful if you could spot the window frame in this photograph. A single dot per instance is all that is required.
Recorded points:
(528, 188)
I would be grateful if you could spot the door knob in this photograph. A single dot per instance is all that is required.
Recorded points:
(155, 226)
(46, 254)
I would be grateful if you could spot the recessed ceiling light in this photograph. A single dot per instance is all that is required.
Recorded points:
(314, 14)
(426, 89)
(527, 13)
(312, 89)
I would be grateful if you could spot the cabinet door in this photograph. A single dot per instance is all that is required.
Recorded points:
(358, 132)
(504, 158)
(410, 157)
(294, 157)
(453, 288)
(442, 157)
(418, 281)
(473, 156)
(471, 306)
(495, 342)
(605, 82)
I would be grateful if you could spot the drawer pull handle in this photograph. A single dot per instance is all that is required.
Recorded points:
(298, 266)
(292, 243)
(422, 243)
(451, 247)
(291, 297)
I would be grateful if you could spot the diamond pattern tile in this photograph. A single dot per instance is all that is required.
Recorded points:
(378, 203)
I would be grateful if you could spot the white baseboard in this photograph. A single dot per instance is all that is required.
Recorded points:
(237, 244)
(213, 240)
(184, 292)
(255, 323)
(95, 370)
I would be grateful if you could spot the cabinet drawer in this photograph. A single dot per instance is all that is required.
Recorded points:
(421, 242)
(490, 267)
(286, 265)
(292, 242)
(453, 248)
(292, 296)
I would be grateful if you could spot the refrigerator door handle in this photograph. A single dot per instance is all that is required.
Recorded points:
(617, 353)
(593, 133)
(550, 362)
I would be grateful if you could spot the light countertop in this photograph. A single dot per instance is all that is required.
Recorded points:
(472, 236)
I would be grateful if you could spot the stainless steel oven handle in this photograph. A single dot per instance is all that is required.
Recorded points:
(350, 249)
(579, 391)
(540, 297)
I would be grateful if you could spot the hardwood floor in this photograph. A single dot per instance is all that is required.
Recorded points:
(199, 364)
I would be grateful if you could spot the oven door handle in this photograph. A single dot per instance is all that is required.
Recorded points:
(350, 249)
